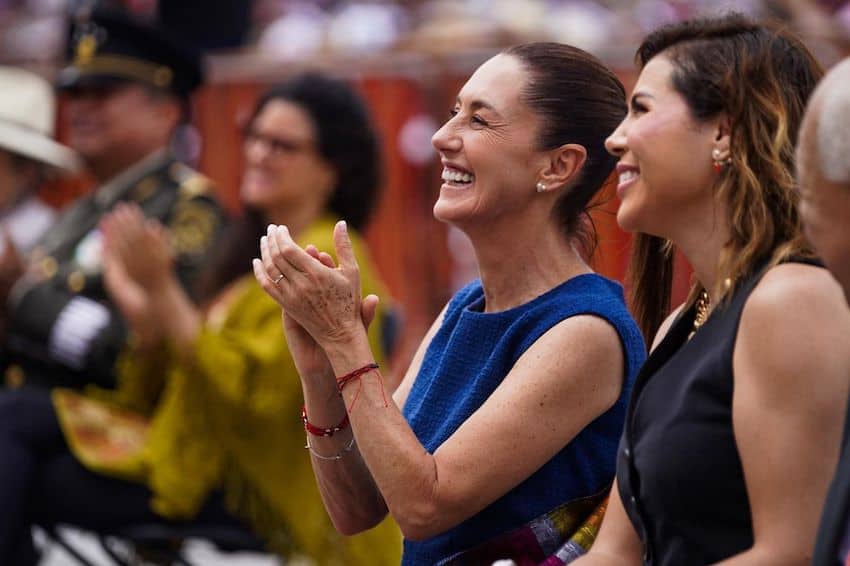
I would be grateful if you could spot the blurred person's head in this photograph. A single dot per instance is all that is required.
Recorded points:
(27, 149)
(709, 145)
(310, 147)
(527, 134)
(128, 86)
(823, 171)
(310, 150)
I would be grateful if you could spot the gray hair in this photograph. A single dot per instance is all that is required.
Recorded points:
(833, 124)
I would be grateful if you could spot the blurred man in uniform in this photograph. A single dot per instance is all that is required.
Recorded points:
(128, 88)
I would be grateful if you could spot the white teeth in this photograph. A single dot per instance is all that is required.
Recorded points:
(627, 176)
(452, 175)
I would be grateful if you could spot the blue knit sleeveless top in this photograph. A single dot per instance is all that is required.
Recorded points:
(468, 358)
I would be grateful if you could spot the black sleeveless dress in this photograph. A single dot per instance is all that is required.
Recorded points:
(678, 471)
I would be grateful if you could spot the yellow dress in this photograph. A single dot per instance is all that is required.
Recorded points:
(227, 419)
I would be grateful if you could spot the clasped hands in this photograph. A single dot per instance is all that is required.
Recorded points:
(137, 268)
(321, 300)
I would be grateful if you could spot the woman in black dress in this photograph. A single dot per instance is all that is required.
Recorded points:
(735, 420)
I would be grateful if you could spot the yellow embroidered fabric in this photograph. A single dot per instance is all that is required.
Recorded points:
(228, 419)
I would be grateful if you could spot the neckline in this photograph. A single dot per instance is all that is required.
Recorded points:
(476, 306)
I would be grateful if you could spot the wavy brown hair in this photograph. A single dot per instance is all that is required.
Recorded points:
(759, 77)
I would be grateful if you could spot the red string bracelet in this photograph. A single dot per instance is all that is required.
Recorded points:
(344, 380)
(341, 382)
(319, 431)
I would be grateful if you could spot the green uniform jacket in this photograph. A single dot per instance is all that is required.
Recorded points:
(61, 327)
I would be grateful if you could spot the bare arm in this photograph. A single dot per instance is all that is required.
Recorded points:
(348, 490)
(550, 394)
(617, 543)
(791, 383)
(546, 399)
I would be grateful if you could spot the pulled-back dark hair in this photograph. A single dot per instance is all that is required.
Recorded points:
(579, 100)
(345, 138)
(760, 78)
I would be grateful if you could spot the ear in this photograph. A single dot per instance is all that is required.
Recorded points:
(722, 137)
(563, 166)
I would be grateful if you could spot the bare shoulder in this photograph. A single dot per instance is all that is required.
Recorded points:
(791, 333)
(795, 296)
(585, 332)
(575, 353)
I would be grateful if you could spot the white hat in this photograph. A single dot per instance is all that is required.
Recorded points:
(27, 117)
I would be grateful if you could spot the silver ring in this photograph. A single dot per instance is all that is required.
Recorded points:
(277, 279)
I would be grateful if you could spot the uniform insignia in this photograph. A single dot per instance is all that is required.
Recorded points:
(86, 48)
(194, 186)
(89, 252)
(191, 183)
(48, 267)
(193, 225)
(180, 172)
(144, 189)
(162, 76)
(76, 281)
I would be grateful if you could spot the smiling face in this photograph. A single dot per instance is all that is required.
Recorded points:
(665, 168)
(487, 148)
(113, 127)
(283, 168)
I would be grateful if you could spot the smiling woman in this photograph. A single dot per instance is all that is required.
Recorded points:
(505, 425)
(717, 463)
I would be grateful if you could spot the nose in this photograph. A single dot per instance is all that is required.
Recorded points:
(256, 150)
(616, 142)
(446, 140)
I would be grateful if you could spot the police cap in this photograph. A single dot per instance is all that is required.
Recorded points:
(108, 46)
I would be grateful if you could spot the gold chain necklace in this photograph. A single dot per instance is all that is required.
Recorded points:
(703, 302)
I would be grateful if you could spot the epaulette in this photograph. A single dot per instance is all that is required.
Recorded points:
(190, 183)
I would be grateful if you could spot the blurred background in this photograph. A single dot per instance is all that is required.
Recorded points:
(409, 58)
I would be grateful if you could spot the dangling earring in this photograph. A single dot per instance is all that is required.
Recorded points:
(717, 162)
(541, 188)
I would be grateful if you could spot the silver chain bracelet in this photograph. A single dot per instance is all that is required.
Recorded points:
(347, 448)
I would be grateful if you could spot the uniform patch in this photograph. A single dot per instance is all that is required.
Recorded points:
(192, 226)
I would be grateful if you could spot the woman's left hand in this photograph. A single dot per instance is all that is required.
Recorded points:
(321, 298)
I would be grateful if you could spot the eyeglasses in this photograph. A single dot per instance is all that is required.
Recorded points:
(276, 146)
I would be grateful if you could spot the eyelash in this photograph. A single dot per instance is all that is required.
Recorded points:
(638, 108)
(475, 117)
